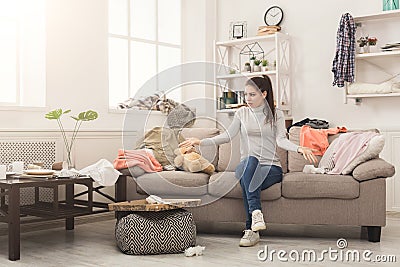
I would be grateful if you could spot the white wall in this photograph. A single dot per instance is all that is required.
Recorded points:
(312, 26)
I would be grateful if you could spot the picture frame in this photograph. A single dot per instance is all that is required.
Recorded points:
(238, 30)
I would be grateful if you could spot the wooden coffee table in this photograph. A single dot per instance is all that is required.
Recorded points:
(50, 210)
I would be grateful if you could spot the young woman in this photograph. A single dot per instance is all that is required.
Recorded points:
(261, 128)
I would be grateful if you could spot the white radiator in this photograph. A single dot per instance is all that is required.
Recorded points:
(29, 151)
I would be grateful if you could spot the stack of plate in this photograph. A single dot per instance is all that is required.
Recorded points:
(37, 173)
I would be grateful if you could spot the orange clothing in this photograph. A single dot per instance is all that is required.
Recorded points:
(139, 157)
(318, 138)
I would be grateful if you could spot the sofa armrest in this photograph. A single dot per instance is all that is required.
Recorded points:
(374, 168)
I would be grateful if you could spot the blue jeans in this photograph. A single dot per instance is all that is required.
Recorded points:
(255, 177)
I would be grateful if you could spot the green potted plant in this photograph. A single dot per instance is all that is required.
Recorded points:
(257, 67)
(83, 116)
(264, 64)
(372, 44)
(363, 44)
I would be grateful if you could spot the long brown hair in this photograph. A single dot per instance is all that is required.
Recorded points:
(264, 85)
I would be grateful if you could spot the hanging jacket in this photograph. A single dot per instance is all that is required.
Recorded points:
(343, 63)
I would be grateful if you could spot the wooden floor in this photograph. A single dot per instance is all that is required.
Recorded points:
(93, 244)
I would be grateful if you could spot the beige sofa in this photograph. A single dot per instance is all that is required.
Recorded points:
(313, 199)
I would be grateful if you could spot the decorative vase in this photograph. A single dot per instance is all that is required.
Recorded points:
(366, 48)
(70, 162)
(252, 64)
(264, 68)
(362, 50)
(373, 49)
(257, 68)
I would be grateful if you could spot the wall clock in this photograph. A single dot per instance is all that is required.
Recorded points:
(273, 16)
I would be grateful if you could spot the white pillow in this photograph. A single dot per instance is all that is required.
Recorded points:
(374, 147)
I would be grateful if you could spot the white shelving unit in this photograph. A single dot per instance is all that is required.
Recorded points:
(381, 18)
(275, 46)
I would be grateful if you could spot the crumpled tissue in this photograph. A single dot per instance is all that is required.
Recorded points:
(192, 251)
(102, 172)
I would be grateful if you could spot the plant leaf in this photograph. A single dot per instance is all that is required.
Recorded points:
(67, 111)
(86, 116)
(89, 115)
(54, 114)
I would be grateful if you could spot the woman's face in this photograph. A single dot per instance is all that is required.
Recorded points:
(254, 97)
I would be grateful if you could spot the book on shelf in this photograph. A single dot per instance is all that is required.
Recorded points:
(266, 30)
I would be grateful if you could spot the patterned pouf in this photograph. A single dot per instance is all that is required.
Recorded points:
(150, 232)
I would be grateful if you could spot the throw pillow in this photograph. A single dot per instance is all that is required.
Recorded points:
(326, 161)
(373, 169)
(374, 147)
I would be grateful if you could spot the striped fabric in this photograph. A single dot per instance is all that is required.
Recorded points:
(343, 63)
(326, 161)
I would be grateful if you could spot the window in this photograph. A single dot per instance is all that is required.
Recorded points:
(22, 53)
(144, 39)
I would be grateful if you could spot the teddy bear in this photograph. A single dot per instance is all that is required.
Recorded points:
(191, 161)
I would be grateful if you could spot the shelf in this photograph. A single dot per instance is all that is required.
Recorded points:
(46, 210)
(373, 95)
(251, 39)
(378, 54)
(378, 16)
(246, 74)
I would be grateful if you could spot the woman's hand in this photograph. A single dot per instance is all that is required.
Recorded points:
(308, 154)
(189, 142)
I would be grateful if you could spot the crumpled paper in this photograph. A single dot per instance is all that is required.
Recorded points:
(192, 251)
(102, 172)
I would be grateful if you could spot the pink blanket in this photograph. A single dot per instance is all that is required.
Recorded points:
(348, 147)
(139, 157)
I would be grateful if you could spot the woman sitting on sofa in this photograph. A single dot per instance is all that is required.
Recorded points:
(261, 128)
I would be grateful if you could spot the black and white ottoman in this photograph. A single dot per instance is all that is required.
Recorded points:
(151, 232)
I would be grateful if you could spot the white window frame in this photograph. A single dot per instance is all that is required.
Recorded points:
(19, 89)
(155, 42)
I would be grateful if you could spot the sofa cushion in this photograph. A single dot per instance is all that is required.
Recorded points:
(229, 158)
(305, 185)
(208, 152)
(226, 184)
(373, 169)
(173, 183)
(296, 161)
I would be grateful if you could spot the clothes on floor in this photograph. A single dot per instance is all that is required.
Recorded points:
(348, 147)
(142, 158)
(343, 63)
(256, 138)
(254, 178)
(318, 138)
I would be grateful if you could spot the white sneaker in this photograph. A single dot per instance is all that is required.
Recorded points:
(257, 221)
(249, 238)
